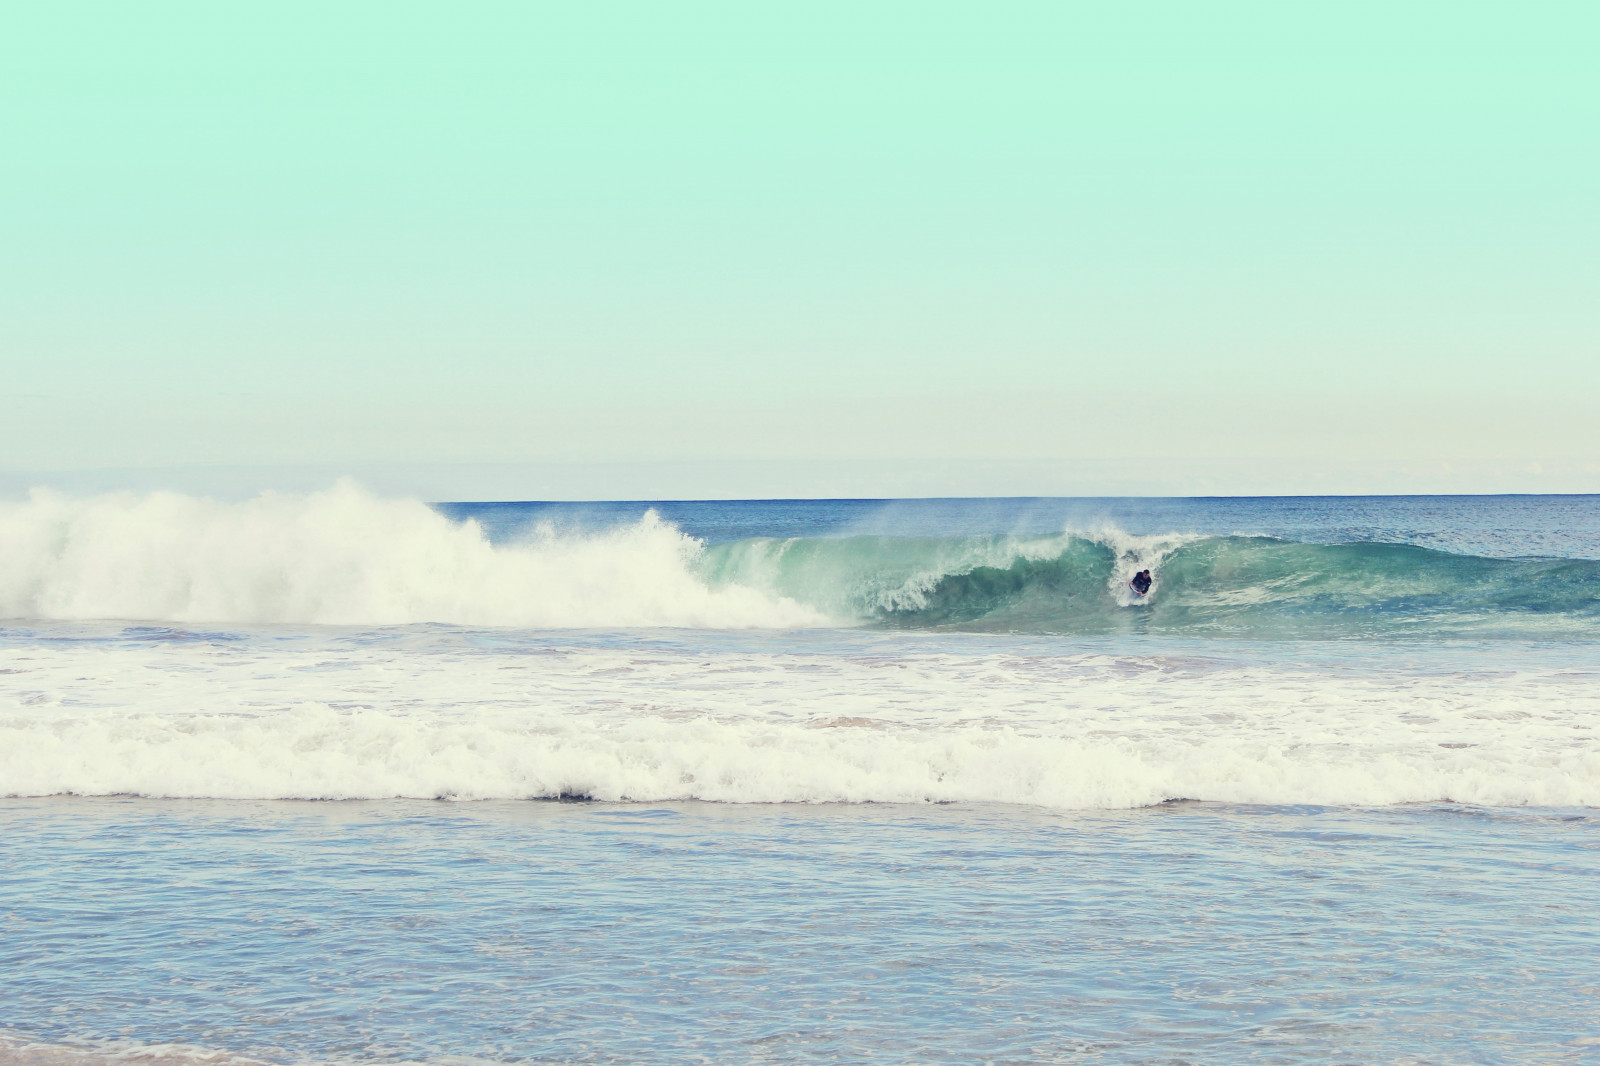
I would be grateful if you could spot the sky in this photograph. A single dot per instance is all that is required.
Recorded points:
(671, 250)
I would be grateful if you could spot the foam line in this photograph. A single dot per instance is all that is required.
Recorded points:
(315, 752)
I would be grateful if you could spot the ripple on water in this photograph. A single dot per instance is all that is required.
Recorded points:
(209, 931)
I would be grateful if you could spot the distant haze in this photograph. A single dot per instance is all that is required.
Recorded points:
(631, 250)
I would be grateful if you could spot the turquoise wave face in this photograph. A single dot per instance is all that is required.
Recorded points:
(1225, 586)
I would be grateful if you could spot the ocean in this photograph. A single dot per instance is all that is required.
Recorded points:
(346, 779)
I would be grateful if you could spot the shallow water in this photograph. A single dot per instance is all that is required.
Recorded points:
(726, 933)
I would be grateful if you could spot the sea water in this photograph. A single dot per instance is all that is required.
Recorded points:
(794, 781)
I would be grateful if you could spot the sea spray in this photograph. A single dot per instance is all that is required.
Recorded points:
(345, 556)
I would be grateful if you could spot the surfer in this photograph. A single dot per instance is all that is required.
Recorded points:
(1141, 582)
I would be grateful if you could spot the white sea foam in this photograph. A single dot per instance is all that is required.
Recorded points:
(345, 556)
(443, 714)
(19, 1051)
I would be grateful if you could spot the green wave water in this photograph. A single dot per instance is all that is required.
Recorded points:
(1225, 586)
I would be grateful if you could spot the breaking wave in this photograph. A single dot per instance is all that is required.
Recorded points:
(1225, 586)
(347, 557)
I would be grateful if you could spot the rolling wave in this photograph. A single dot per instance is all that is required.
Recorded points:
(347, 557)
(1242, 586)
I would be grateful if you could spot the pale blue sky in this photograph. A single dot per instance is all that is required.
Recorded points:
(729, 249)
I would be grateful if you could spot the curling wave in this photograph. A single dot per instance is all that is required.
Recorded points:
(1230, 586)
(347, 557)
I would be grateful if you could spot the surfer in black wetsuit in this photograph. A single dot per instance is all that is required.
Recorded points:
(1141, 582)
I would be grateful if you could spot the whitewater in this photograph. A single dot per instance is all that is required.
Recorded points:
(428, 713)
(346, 557)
